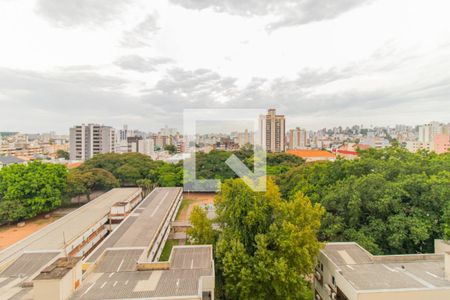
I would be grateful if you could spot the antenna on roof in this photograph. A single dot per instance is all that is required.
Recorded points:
(65, 249)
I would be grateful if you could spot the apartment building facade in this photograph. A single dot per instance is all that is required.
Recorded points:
(297, 138)
(91, 139)
(429, 132)
(245, 138)
(272, 132)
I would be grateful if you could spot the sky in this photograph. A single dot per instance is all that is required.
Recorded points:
(322, 63)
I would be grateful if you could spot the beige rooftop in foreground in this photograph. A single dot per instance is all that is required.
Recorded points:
(50, 238)
(348, 271)
(189, 274)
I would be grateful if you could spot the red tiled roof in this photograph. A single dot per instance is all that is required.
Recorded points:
(347, 152)
(73, 165)
(311, 153)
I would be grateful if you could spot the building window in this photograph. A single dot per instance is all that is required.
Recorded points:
(333, 280)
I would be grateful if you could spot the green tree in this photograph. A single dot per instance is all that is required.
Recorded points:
(86, 182)
(390, 201)
(128, 174)
(28, 190)
(201, 231)
(146, 185)
(267, 246)
(170, 175)
(170, 148)
(62, 154)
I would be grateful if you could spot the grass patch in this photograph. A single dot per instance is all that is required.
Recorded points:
(183, 206)
(167, 250)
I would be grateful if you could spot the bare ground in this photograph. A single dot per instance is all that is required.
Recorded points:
(10, 234)
(194, 199)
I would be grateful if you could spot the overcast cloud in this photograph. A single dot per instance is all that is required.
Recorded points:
(321, 63)
(285, 12)
(80, 12)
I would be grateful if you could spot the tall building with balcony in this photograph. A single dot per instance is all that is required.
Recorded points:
(91, 139)
(271, 134)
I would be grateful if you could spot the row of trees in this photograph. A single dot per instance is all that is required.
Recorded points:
(28, 190)
(390, 201)
(212, 165)
(106, 171)
(35, 188)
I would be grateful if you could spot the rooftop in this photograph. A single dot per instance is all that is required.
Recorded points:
(139, 229)
(72, 225)
(8, 160)
(58, 269)
(187, 266)
(311, 153)
(396, 275)
(346, 254)
(365, 271)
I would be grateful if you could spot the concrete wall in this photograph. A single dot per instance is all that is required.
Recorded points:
(145, 266)
(441, 246)
(83, 198)
(435, 294)
(207, 284)
(58, 288)
(46, 290)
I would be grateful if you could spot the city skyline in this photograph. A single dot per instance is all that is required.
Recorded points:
(141, 64)
(206, 128)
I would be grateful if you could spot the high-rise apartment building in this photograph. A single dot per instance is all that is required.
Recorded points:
(146, 146)
(91, 139)
(434, 136)
(245, 138)
(125, 133)
(297, 138)
(271, 133)
(427, 132)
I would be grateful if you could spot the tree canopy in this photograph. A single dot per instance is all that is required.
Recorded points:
(62, 154)
(129, 168)
(213, 165)
(170, 148)
(31, 189)
(201, 231)
(390, 201)
(267, 245)
(85, 182)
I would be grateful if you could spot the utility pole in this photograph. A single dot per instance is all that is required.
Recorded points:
(65, 248)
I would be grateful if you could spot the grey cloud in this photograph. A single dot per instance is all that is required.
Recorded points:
(59, 99)
(200, 82)
(142, 33)
(288, 12)
(71, 95)
(141, 64)
(299, 97)
(201, 88)
(70, 13)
